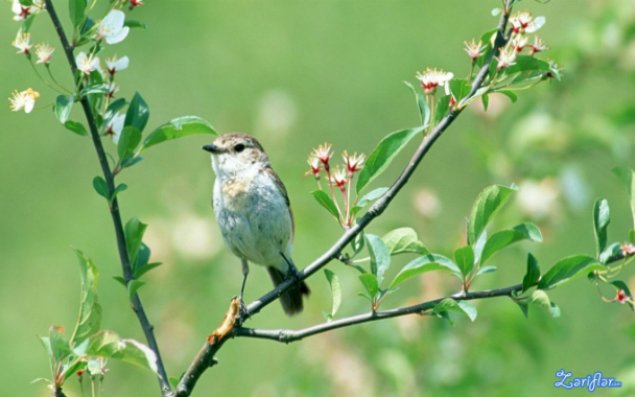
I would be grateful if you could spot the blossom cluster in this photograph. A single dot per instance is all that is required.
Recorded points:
(522, 25)
(339, 177)
(110, 30)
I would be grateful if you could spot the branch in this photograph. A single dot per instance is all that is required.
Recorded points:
(59, 392)
(382, 203)
(206, 354)
(288, 336)
(137, 306)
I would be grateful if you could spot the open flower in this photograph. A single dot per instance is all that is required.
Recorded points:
(506, 58)
(323, 153)
(537, 46)
(525, 22)
(86, 63)
(114, 65)
(115, 126)
(432, 78)
(111, 28)
(314, 166)
(44, 53)
(621, 296)
(353, 162)
(20, 12)
(23, 100)
(627, 249)
(22, 42)
(474, 49)
(338, 178)
(518, 43)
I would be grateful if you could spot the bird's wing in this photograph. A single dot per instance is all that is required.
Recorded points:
(271, 173)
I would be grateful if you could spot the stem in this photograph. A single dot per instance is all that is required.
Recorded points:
(288, 336)
(59, 392)
(204, 358)
(137, 306)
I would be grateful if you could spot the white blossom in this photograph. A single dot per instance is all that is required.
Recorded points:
(114, 65)
(87, 63)
(43, 52)
(111, 28)
(23, 100)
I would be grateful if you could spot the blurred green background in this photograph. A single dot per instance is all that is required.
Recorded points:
(296, 74)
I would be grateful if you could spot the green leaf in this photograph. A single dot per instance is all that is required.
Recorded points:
(541, 298)
(117, 105)
(385, 152)
(567, 268)
(132, 24)
(424, 109)
(101, 187)
(133, 287)
(63, 107)
(128, 142)
(367, 199)
(424, 264)
(626, 176)
(469, 309)
(379, 256)
(120, 188)
(448, 304)
(146, 268)
(485, 101)
(524, 307)
(137, 114)
(336, 291)
(325, 201)
(486, 205)
(404, 240)
(460, 88)
(89, 316)
(177, 128)
(610, 253)
(134, 231)
(369, 281)
(59, 346)
(464, 258)
(509, 94)
(601, 220)
(441, 109)
(109, 345)
(76, 127)
(527, 63)
(486, 269)
(504, 238)
(77, 10)
(533, 272)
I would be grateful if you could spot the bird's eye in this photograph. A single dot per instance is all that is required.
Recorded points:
(239, 148)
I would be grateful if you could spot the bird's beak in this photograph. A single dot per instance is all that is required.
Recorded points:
(212, 148)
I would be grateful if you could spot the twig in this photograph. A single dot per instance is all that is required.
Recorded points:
(205, 358)
(137, 306)
(288, 336)
(206, 354)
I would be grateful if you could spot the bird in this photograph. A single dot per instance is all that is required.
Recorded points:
(254, 214)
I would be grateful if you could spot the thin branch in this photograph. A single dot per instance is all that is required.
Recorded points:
(288, 336)
(334, 252)
(137, 306)
(59, 392)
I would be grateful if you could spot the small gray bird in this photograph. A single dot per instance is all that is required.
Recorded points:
(253, 212)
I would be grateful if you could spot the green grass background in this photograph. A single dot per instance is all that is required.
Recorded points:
(296, 74)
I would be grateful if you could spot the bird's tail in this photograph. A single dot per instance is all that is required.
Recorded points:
(291, 299)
